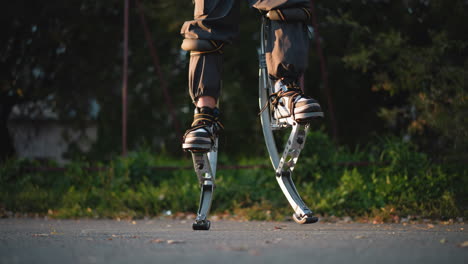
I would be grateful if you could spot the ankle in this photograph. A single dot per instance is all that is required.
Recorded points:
(206, 101)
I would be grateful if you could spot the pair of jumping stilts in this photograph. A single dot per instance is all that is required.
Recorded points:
(205, 163)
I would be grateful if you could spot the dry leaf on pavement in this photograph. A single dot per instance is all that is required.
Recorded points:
(464, 244)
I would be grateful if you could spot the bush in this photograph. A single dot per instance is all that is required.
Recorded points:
(397, 178)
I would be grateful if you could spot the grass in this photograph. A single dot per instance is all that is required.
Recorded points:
(400, 181)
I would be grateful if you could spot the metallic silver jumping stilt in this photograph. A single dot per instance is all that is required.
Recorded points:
(283, 166)
(205, 168)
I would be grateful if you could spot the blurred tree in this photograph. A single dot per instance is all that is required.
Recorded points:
(67, 55)
(398, 64)
(415, 55)
(55, 53)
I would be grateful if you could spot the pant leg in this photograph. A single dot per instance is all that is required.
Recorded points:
(287, 51)
(288, 46)
(213, 20)
(205, 71)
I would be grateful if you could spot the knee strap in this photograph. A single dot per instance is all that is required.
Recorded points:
(201, 46)
(289, 14)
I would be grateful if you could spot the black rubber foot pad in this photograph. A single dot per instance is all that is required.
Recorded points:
(201, 225)
(311, 220)
(305, 220)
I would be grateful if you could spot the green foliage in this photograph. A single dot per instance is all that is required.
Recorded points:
(399, 178)
(394, 67)
(419, 62)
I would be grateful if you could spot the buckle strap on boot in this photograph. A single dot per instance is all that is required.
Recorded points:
(206, 117)
(289, 90)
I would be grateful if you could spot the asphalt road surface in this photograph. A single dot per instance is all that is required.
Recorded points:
(173, 241)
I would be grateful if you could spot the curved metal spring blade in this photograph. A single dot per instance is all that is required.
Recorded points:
(205, 168)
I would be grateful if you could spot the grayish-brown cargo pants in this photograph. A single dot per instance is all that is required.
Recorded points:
(218, 20)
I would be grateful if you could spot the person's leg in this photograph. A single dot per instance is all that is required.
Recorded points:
(288, 46)
(215, 23)
(286, 57)
(207, 101)
(204, 80)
